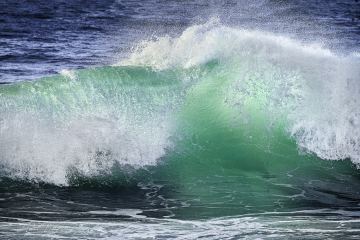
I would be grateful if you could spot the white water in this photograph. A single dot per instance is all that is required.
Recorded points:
(268, 226)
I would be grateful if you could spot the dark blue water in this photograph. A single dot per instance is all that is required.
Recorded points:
(41, 38)
(179, 119)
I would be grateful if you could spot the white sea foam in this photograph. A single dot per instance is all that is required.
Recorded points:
(41, 150)
(44, 138)
(268, 226)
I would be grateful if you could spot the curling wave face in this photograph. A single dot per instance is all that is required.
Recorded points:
(315, 91)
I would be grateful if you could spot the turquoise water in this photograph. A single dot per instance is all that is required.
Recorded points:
(217, 123)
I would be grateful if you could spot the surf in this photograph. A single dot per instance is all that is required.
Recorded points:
(246, 120)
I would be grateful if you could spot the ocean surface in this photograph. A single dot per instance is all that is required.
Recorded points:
(179, 119)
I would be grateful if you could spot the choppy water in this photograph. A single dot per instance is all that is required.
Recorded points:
(185, 120)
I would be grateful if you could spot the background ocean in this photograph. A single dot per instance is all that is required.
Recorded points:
(179, 119)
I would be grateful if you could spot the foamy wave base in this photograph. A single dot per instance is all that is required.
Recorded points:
(270, 226)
